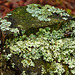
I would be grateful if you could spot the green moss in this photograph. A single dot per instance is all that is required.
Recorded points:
(22, 19)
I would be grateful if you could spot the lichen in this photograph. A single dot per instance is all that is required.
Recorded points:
(44, 12)
(13, 65)
(53, 46)
(23, 73)
(5, 26)
(56, 68)
(21, 19)
(8, 56)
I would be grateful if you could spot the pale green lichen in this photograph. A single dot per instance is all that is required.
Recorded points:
(5, 26)
(8, 56)
(23, 73)
(32, 73)
(27, 62)
(44, 12)
(8, 15)
(13, 65)
(43, 71)
(53, 47)
(56, 68)
(73, 71)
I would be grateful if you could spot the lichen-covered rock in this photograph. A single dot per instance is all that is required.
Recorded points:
(24, 20)
(45, 53)
(45, 44)
(31, 18)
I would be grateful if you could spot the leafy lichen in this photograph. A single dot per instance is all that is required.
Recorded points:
(20, 18)
(53, 47)
(44, 12)
(5, 26)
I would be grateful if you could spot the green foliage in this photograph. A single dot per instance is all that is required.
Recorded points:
(44, 12)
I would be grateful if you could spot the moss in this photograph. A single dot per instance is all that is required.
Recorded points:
(22, 19)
